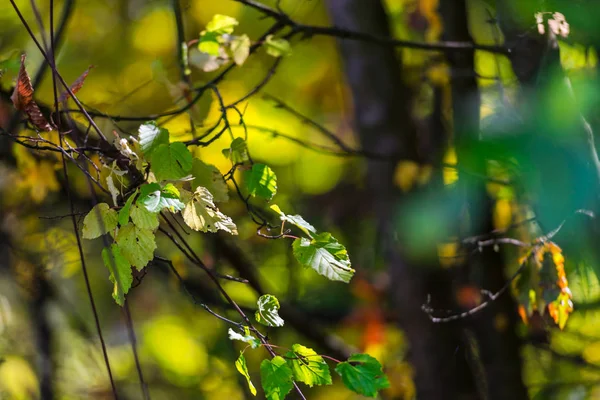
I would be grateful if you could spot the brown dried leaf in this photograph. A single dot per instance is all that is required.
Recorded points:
(37, 118)
(22, 99)
(76, 86)
(23, 93)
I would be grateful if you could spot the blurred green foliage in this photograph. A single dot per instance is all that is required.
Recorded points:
(185, 352)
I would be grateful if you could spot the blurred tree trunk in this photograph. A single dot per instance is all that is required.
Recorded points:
(383, 121)
(495, 327)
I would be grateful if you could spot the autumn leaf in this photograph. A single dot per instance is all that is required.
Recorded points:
(22, 99)
(76, 86)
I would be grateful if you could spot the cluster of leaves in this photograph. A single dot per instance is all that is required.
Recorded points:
(319, 251)
(178, 183)
(543, 284)
(217, 45)
(174, 173)
(361, 373)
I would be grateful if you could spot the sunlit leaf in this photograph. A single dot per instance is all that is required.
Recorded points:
(209, 44)
(277, 47)
(120, 271)
(171, 161)
(206, 62)
(267, 314)
(237, 151)
(210, 177)
(246, 337)
(363, 374)
(240, 49)
(201, 214)
(152, 136)
(295, 220)
(221, 24)
(137, 245)
(307, 366)
(240, 365)
(276, 378)
(100, 220)
(155, 198)
(261, 181)
(144, 219)
(325, 255)
(124, 212)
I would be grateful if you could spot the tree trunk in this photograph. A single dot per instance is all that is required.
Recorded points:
(495, 327)
(383, 122)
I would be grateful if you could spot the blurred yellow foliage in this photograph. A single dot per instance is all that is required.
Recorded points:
(18, 379)
(502, 214)
(155, 32)
(37, 178)
(450, 175)
(178, 352)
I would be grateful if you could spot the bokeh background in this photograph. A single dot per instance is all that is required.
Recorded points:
(185, 352)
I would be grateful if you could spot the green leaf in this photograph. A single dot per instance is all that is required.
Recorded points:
(137, 245)
(221, 24)
(240, 49)
(246, 337)
(296, 220)
(209, 43)
(268, 305)
(120, 272)
(237, 151)
(363, 374)
(124, 213)
(151, 136)
(308, 367)
(100, 220)
(201, 214)
(171, 161)
(277, 47)
(325, 255)
(261, 181)
(240, 365)
(144, 219)
(155, 198)
(276, 378)
(208, 176)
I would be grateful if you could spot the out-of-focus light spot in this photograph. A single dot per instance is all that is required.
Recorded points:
(317, 173)
(502, 214)
(448, 253)
(155, 33)
(203, 11)
(169, 341)
(18, 379)
(572, 56)
(591, 353)
(450, 174)
(406, 174)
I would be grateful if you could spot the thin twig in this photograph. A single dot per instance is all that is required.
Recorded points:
(312, 30)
